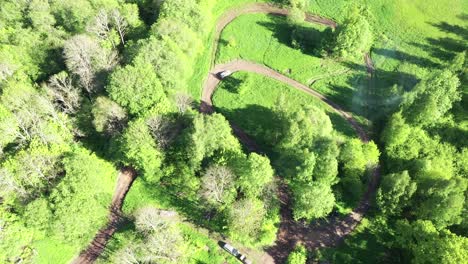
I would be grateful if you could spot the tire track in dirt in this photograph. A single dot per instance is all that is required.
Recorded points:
(125, 179)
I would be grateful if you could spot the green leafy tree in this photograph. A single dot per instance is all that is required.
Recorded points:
(353, 36)
(428, 245)
(80, 201)
(139, 149)
(169, 61)
(298, 256)
(208, 135)
(295, 16)
(432, 98)
(135, 87)
(311, 201)
(440, 200)
(256, 177)
(395, 192)
(179, 32)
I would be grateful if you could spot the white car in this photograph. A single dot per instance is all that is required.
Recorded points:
(224, 74)
(236, 253)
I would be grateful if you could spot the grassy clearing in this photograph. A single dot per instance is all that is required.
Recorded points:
(248, 100)
(272, 47)
(268, 42)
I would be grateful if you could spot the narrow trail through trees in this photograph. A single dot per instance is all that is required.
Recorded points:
(326, 234)
(124, 181)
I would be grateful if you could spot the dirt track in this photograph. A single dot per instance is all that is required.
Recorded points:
(97, 246)
(326, 234)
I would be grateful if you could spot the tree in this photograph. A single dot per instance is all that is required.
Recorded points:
(120, 24)
(326, 165)
(182, 35)
(161, 243)
(8, 128)
(39, 15)
(163, 129)
(428, 245)
(209, 134)
(64, 94)
(440, 200)
(300, 4)
(139, 149)
(170, 63)
(183, 102)
(72, 15)
(218, 186)
(395, 192)
(34, 114)
(311, 201)
(245, 218)
(356, 156)
(85, 58)
(353, 36)
(187, 11)
(256, 177)
(100, 25)
(135, 87)
(295, 16)
(432, 98)
(109, 117)
(298, 256)
(5, 71)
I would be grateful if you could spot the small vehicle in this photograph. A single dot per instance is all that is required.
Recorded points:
(235, 252)
(224, 74)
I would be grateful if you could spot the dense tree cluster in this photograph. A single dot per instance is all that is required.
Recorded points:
(312, 158)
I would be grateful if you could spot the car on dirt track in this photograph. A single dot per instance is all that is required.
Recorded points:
(235, 252)
(224, 74)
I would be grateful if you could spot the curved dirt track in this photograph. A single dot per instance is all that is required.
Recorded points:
(327, 234)
(126, 177)
(264, 8)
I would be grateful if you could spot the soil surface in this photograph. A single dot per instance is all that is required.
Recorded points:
(126, 177)
(327, 233)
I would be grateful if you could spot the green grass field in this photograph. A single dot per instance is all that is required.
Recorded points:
(248, 100)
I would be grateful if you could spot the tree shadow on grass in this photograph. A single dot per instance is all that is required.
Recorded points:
(454, 29)
(309, 39)
(443, 48)
(259, 122)
(232, 84)
(406, 57)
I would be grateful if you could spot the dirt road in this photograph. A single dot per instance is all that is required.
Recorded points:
(329, 233)
(96, 247)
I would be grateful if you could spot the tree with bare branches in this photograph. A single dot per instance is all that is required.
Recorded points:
(218, 185)
(120, 24)
(85, 58)
(64, 94)
(162, 242)
(183, 102)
